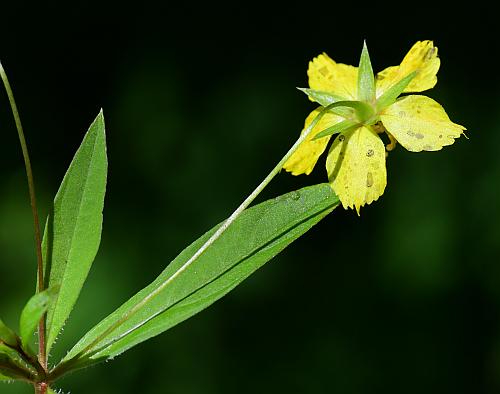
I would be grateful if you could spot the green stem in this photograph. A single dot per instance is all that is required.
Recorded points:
(62, 368)
(36, 223)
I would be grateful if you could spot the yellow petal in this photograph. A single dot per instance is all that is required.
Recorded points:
(305, 157)
(337, 78)
(419, 123)
(356, 167)
(422, 58)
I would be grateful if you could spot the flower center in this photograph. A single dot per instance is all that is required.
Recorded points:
(363, 113)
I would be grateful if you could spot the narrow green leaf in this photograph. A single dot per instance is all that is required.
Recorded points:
(73, 230)
(366, 79)
(390, 95)
(325, 99)
(13, 365)
(32, 313)
(340, 127)
(7, 335)
(259, 234)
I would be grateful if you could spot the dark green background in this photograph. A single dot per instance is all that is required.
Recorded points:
(200, 103)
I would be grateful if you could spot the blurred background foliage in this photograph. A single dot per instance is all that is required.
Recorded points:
(200, 103)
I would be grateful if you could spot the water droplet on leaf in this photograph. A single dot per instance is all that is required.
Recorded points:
(295, 195)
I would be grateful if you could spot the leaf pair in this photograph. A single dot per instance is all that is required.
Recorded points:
(71, 240)
(70, 243)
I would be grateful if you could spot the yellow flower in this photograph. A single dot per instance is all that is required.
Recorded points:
(356, 160)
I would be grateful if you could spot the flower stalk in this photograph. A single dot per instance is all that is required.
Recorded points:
(42, 356)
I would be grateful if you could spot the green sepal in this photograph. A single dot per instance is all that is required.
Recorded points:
(366, 79)
(345, 125)
(325, 99)
(321, 97)
(390, 95)
(7, 336)
(32, 313)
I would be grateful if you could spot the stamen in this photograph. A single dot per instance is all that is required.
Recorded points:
(392, 144)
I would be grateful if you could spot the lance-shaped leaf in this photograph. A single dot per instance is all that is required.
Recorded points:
(366, 79)
(7, 335)
(253, 239)
(13, 365)
(32, 313)
(73, 230)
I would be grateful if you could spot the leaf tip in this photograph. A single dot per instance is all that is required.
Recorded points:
(100, 117)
